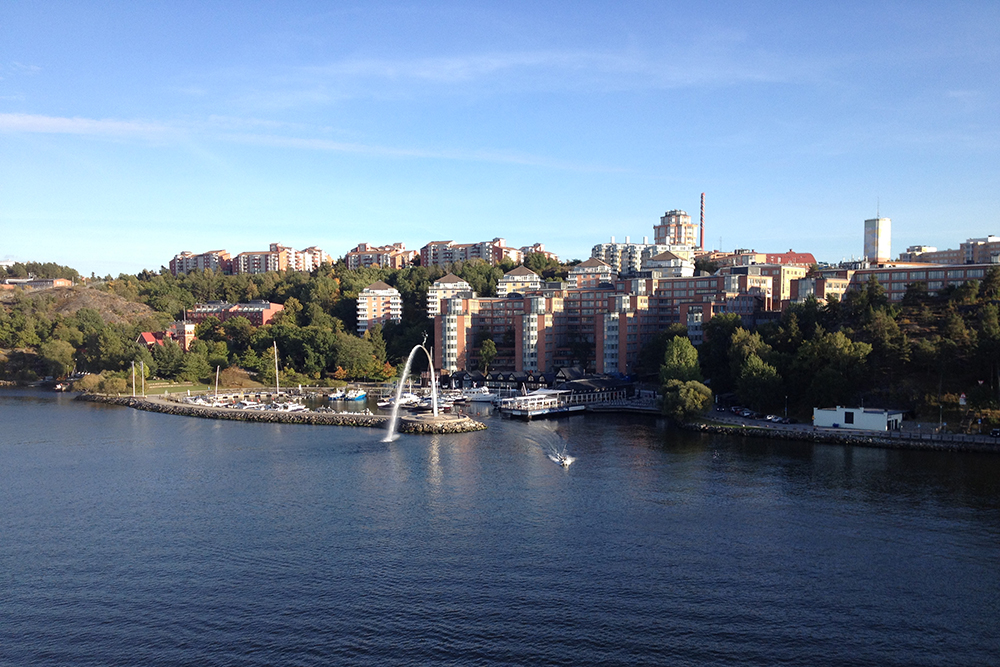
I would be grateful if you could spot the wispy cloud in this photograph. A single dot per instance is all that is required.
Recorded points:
(15, 67)
(239, 131)
(31, 123)
(712, 64)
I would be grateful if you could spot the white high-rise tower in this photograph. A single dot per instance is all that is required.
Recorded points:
(878, 239)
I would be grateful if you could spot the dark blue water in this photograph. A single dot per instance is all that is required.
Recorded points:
(135, 538)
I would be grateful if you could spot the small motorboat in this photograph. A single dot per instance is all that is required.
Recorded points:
(355, 395)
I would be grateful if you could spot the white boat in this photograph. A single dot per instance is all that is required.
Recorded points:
(337, 395)
(561, 458)
(405, 399)
(539, 403)
(355, 395)
(479, 395)
(287, 407)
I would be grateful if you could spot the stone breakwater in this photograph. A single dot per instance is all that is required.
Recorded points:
(459, 425)
(846, 438)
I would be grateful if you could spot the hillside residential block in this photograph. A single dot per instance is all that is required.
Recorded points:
(378, 303)
(676, 228)
(984, 250)
(591, 273)
(394, 256)
(446, 287)
(627, 258)
(438, 253)
(276, 258)
(521, 279)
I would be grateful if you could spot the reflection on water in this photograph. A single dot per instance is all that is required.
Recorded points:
(134, 537)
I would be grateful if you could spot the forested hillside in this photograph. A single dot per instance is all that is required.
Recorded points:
(315, 334)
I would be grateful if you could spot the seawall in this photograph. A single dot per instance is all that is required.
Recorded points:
(152, 404)
(856, 439)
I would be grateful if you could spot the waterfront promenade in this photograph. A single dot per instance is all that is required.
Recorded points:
(910, 437)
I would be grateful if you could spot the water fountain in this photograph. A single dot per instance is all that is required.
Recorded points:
(391, 435)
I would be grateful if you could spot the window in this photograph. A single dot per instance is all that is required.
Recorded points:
(848, 417)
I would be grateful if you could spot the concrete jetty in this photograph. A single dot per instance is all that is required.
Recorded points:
(166, 406)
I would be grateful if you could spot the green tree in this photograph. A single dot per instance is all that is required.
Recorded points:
(58, 357)
(714, 350)
(210, 329)
(680, 361)
(169, 359)
(759, 386)
(487, 353)
(684, 401)
(650, 357)
(196, 368)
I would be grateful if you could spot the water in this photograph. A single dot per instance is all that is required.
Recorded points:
(138, 538)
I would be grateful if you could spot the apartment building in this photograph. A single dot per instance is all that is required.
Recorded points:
(551, 327)
(667, 265)
(937, 277)
(746, 257)
(984, 250)
(591, 273)
(378, 303)
(444, 288)
(627, 258)
(820, 288)
(186, 261)
(393, 256)
(258, 312)
(437, 253)
(520, 280)
(782, 275)
(676, 228)
(260, 262)
(276, 258)
(539, 249)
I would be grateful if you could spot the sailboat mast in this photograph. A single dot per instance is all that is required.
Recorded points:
(277, 388)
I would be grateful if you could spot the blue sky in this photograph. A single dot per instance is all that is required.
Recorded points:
(132, 131)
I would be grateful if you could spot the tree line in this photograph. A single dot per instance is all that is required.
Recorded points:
(315, 334)
(917, 355)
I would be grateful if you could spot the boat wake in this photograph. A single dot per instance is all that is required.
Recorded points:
(553, 445)
(562, 458)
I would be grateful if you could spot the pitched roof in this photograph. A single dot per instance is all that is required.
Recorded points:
(592, 262)
(521, 271)
(664, 256)
(450, 278)
(378, 285)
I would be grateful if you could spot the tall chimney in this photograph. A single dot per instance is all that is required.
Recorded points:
(703, 221)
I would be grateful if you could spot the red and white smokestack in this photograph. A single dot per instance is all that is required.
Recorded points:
(703, 221)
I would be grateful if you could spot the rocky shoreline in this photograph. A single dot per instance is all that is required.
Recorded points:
(845, 438)
(459, 425)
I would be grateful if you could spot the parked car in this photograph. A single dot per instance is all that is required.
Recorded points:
(995, 433)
